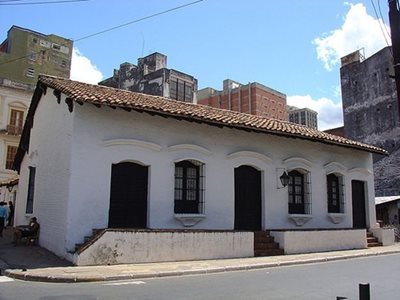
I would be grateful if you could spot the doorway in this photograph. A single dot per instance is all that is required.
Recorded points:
(358, 201)
(128, 196)
(247, 198)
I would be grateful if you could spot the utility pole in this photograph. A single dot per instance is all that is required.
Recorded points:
(394, 19)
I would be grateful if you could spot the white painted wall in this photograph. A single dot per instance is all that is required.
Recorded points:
(384, 235)
(92, 139)
(318, 241)
(140, 246)
(50, 153)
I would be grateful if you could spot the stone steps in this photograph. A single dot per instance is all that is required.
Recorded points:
(372, 241)
(265, 245)
(88, 239)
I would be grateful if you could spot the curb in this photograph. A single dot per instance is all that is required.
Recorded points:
(21, 275)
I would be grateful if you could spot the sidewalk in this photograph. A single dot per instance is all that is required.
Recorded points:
(58, 270)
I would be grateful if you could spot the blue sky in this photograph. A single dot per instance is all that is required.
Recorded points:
(291, 46)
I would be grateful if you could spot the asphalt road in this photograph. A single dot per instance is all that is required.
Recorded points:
(313, 281)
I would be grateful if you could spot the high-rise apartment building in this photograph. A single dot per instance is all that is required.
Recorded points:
(151, 76)
(252, 98)
(303, 116)
(25, 53)
(370, 112)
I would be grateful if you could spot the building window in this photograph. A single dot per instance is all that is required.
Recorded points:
(30, 72)
(335, 193)
(180, 90)
(11, 151)
(299, 192)
(16, 122)
(189, 187)
(31, 190)
(32, 56)
(45, 44)
(56, 47)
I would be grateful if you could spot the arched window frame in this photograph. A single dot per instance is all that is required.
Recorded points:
(189, 187)
(335, 193)
(299, 192)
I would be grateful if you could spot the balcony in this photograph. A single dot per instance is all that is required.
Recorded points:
(14, 129)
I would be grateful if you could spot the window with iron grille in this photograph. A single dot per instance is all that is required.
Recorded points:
(189, 187)
(299, 189)
(335, 192)
(11, 151)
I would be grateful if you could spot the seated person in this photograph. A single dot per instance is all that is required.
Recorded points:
(26, 230)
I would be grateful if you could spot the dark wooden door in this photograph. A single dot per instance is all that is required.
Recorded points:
(128, 201)
(358, 201)
(247, 198)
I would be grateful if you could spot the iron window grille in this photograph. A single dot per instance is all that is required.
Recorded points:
(189, 187)
(335, 193)
(299, 190)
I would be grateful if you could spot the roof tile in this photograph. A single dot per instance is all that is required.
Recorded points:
(101, 95)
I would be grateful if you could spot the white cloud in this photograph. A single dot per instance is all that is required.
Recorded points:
(82, 69)
(329, 113)
(359, 30)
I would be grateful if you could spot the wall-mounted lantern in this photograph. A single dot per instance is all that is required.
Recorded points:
(282, 178)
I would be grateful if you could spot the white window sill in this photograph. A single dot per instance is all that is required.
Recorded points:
(336, 218)
(189, 220)
(300, 219)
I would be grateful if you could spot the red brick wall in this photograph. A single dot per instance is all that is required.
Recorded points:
(263, 103)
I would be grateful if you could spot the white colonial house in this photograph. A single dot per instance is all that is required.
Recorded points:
(145, 178)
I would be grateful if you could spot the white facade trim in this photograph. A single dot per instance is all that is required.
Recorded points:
(132, 142)
(336, 218)
(250, 154)
(293, 163)
(189, 220)
(364, 171)
(335, 167)
(191, 147)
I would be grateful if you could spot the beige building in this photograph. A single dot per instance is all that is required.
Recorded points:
(24, 54)
(14, 103)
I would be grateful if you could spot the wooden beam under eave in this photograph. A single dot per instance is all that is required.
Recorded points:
(70, 104)
(57, 93)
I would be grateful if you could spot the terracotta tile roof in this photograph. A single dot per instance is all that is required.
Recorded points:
(101, 95)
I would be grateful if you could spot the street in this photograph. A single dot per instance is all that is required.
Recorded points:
(313, 281)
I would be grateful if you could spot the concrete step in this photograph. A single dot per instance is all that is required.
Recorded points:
(264, 239)
(372, 241)
(258, 246)
(375, 244)
(265, 245)
(268, 252)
